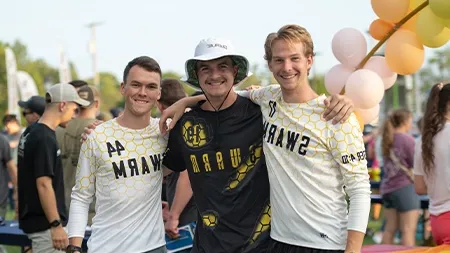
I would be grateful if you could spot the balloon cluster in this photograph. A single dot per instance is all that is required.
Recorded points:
(406, 26)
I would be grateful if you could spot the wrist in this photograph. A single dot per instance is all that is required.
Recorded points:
(73, 249)
(174, 216)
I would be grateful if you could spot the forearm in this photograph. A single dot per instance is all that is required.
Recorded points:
(78, 220)
(192, 101)
(354, 241)
(76, 241)
(183, 194)
(12, 170)
(48, 201)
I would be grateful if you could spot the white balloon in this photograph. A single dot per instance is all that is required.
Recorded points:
(379, 65)
(369, 115)
(336, 78)
(365, 88)
(349, 46)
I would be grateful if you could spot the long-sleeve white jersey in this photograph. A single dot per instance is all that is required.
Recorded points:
(123, 168)
(312, 164)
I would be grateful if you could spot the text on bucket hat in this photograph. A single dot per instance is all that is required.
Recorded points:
(64, 92)
(211, 49)
(34, 104)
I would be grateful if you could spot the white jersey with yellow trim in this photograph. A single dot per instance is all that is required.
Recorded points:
(122, 167)
(312, 164)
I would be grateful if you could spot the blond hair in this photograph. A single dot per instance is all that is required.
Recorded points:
(292, 34)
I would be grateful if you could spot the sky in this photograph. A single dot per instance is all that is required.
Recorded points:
(169, 30)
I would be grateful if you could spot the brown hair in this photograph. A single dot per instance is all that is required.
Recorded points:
(434, 121)
(292, 34)
(171, 91)
(144, 62)
(394, 120)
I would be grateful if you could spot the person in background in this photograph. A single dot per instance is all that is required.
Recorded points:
(401, 202)
(42, 211)
(182, 208)
(12, 133)
(432, 161)
(32, 109)
(69, 141)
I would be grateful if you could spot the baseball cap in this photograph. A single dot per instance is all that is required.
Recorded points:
(78, 83)
(64, 92)
(211, 49)
(87, 93)
(35, 104)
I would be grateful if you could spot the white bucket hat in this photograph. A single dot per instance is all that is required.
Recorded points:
(213, 48)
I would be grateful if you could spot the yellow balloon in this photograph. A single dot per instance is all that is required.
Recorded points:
(360, 120)
(441, 8)
(431, 30)
(404, 52)
(392, 11)
(446, 22)
(411, 23)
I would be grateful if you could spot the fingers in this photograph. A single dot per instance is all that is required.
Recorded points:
(174, 121)
(330, 103)
(343, 114)
(61, 243)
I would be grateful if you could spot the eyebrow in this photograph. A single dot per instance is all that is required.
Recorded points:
(223, 61)
(292, 55)
(137, 82)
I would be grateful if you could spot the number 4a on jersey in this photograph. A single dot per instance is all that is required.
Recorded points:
(118, 148)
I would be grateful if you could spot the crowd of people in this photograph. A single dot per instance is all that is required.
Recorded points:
(133, 179)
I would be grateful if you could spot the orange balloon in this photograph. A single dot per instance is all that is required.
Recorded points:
(392, 11)
(404, 52)
(360, 120)
(379, 28)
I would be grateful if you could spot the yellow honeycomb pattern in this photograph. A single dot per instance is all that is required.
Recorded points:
(255, 153)
(263, 223)
(210, 219)
(95, 171)
(307, 178)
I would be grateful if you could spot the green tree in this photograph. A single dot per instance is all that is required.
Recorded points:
(109, 91)
(436, 70)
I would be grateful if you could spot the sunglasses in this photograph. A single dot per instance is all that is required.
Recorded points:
(25, 113)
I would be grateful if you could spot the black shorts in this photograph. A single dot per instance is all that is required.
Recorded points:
(280, 247)
(403, 200)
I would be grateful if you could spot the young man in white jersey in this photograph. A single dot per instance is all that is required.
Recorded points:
(120, 164)
(310, 161)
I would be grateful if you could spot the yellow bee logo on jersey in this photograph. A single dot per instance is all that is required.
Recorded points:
(210, 219)
(263, 223)
(195, 134)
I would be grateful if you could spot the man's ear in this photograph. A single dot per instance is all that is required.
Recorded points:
(122, 87)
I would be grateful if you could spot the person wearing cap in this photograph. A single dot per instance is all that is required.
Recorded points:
(220, 143)
(33, 109)
(78, 84)
(292, 145)
(42, 211)
(68, 139)
(120, 164)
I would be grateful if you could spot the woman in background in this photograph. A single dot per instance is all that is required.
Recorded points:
(432, 161)
(401, 203)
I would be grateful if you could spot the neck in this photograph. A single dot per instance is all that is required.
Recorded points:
(401, 130)
(129, 120)
(90, 113)
(301, 94)
(215, 103)
(49, 120)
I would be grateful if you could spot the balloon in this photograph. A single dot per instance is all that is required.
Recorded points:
(379, 65)
(446, 22)
(389, 10)
(431, 30)
(360, 120)
(411, 23)
(369, 115)
(440, 8)
(404, 52)
(365, 88)
(336, 78)
(379, 28)
(349, 47)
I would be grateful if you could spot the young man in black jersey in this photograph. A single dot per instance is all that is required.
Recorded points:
(219, 142)
(42, 211)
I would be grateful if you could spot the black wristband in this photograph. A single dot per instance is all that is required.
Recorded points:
(55, 223)
(73, 248)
